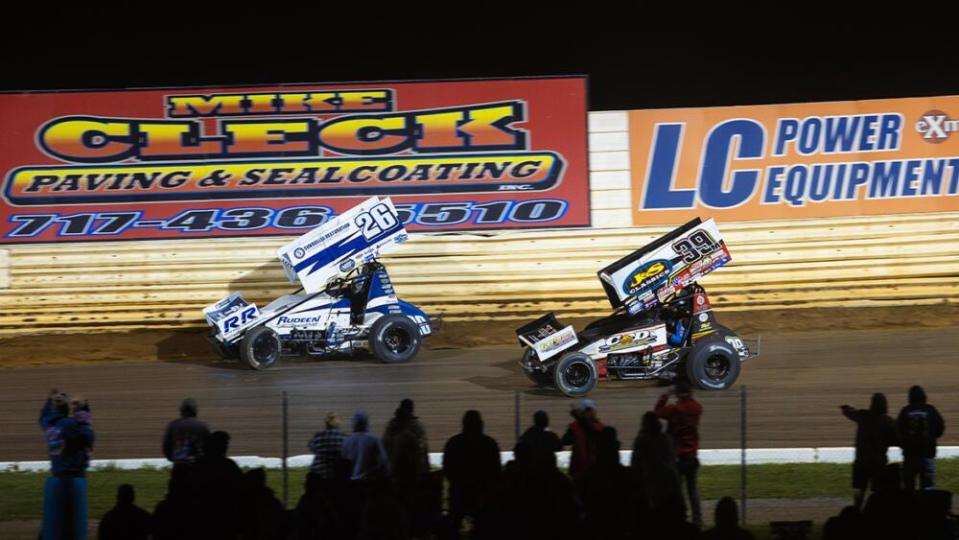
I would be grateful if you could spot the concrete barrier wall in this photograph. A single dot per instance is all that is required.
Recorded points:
(725, 456)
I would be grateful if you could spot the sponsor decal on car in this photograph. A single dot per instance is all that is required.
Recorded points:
(555, 343)
(739, 345)
(701, 305)
(236, 322)
(647, 276)
(628, 341)
(651, 336)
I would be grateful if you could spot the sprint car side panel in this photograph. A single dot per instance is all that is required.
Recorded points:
(316, 313)
(399, 307)
(632, 340)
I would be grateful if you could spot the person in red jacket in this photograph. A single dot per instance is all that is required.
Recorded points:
(582, 434)
(682, 419)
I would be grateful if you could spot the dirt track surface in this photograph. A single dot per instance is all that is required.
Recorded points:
(794, 390)
(190, 343)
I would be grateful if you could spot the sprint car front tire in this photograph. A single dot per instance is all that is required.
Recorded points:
(395, 339)
(575, 374)
(712, 363)
(537, 377)
(260, 348)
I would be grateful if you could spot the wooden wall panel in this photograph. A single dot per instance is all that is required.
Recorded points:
(889, 260)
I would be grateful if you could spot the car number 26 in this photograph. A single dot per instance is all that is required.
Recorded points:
(376, 221)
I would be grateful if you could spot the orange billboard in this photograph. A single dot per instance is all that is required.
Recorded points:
(795, 161)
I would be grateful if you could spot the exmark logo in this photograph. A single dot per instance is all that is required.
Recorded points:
(936, 127)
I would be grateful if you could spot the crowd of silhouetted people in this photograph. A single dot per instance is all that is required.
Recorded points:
(895, 508)
(365, 486)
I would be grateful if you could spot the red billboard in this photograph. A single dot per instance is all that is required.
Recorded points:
(204, 162)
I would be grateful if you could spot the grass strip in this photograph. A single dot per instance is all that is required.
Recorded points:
(21, 493)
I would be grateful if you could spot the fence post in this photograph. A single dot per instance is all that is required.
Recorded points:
(286, 483)
(742, 450)
(516, 414)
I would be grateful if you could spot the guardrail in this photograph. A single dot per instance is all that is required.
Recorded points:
(725, 456)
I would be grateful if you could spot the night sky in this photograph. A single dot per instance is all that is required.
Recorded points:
(636, 57)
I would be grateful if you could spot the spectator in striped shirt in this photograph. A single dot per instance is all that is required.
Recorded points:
(327, 447)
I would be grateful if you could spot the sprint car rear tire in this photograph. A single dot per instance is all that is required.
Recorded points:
(537, 377)
(395, 339)
(575, 374)
(712, 363)
(260, 348)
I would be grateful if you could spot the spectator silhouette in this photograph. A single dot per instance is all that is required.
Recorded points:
(65, 492)
(875, 432)
(919, 425)
(406, 447)
(668, 522)
(471, 463)
(727, 523)
(264, 517)
(608, 493)
(405, 443)
(383, 517)
(848, 525)
(178, 516)
(364, 451)
(327, 448)
(934, 515)
(889, 510)
(654, 465)
(220, 482)
(316, 512)
(405, 422)
(543, 443)
(682, 420)
(529, 501)
(581, 434)
(126, 520)
(365, 463)
(186, 436)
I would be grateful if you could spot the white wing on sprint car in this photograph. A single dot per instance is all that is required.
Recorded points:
(348, 240)
(547, 337)
(654, 273)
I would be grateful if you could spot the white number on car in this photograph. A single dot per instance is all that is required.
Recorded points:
(377, 220)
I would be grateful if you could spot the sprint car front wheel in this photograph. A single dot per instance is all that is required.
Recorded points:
(395, 339)
(713, 364)
(537, 377)
(260, 348)
(575, 374)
